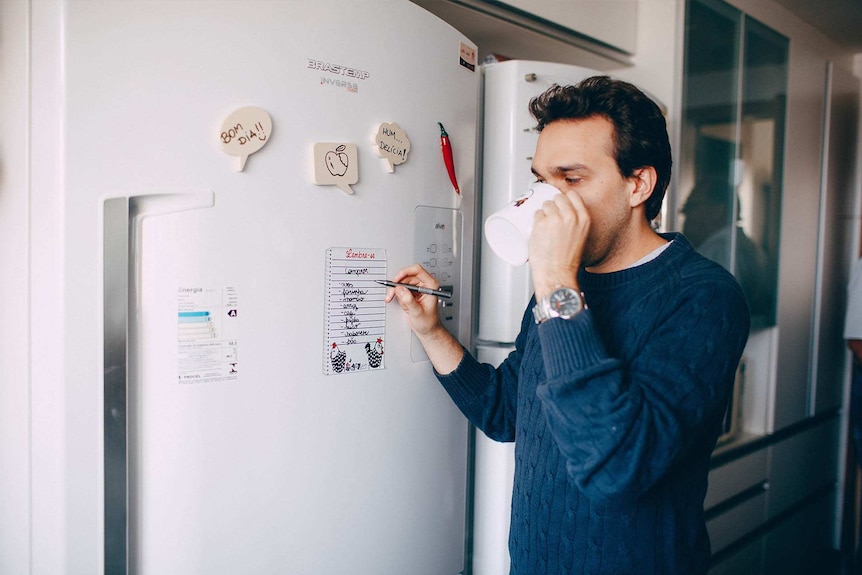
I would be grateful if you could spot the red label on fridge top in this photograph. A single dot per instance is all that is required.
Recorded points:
(468, 57)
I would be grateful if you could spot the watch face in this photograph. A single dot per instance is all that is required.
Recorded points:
(566, 302)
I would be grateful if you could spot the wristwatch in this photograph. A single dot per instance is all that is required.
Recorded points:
(563, 302)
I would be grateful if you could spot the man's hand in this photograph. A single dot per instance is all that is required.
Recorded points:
(421, 309)
(442, 348)
(557, 243)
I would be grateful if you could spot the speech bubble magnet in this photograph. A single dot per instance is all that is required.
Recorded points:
(245, 132)
(393, 145)
(336, 164)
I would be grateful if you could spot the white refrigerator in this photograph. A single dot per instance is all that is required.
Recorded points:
(222, 182)
(509, 141)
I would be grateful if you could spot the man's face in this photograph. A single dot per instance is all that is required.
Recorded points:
(577, 155)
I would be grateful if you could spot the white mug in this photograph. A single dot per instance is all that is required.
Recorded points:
(508, 229)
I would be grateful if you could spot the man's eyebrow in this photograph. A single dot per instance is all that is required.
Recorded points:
(563, 169)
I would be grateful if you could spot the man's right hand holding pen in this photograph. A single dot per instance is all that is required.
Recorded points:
(444, 351)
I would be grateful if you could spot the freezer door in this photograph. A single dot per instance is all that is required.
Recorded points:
(509, 141)
(492, 490)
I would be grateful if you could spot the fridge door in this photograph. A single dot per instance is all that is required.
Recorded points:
(509, 141)
(254, 446)
(243, 455)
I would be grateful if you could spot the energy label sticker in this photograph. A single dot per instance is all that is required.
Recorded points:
(207, 334)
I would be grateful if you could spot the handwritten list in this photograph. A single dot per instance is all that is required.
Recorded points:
(355, 310)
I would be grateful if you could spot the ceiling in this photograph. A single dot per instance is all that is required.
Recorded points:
(841, 20)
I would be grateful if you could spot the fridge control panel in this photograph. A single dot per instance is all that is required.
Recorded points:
(437, 241)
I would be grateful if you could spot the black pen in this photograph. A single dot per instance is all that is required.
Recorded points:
(420, 289)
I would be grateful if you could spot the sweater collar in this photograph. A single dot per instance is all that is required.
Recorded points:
(679, 246)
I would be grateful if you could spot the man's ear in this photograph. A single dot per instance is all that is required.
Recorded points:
(644, 179)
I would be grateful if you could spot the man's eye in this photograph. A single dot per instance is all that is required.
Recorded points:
(572, 181)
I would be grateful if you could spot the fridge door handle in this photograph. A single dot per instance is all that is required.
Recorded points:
(121, 219)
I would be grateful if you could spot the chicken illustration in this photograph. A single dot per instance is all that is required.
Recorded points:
(338, 358)
(375, 354)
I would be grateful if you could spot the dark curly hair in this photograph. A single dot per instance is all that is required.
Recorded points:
(640, 130)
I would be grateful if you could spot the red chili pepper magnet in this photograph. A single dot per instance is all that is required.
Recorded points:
(446, 145)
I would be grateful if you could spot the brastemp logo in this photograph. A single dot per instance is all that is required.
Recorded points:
(349, 75)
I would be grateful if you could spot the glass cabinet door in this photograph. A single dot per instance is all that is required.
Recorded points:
(730, 161)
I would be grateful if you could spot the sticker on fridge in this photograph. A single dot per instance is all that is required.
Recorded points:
(467, 57)
(207, 334)
(355, 310)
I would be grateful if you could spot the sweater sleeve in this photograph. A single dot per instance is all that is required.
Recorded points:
(488, 396)
(622, 425)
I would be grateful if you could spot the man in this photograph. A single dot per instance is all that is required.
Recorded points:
(614, 398)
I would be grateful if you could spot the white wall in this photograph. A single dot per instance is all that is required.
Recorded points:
(14, 282)
(35, 494)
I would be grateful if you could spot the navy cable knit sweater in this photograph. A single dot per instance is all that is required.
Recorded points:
(614, 415)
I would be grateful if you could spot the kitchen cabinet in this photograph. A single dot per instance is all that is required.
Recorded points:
(838, 240)
(731, 162)
(735, 503)
(613, 23)
(804, 464)
(748, 559)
